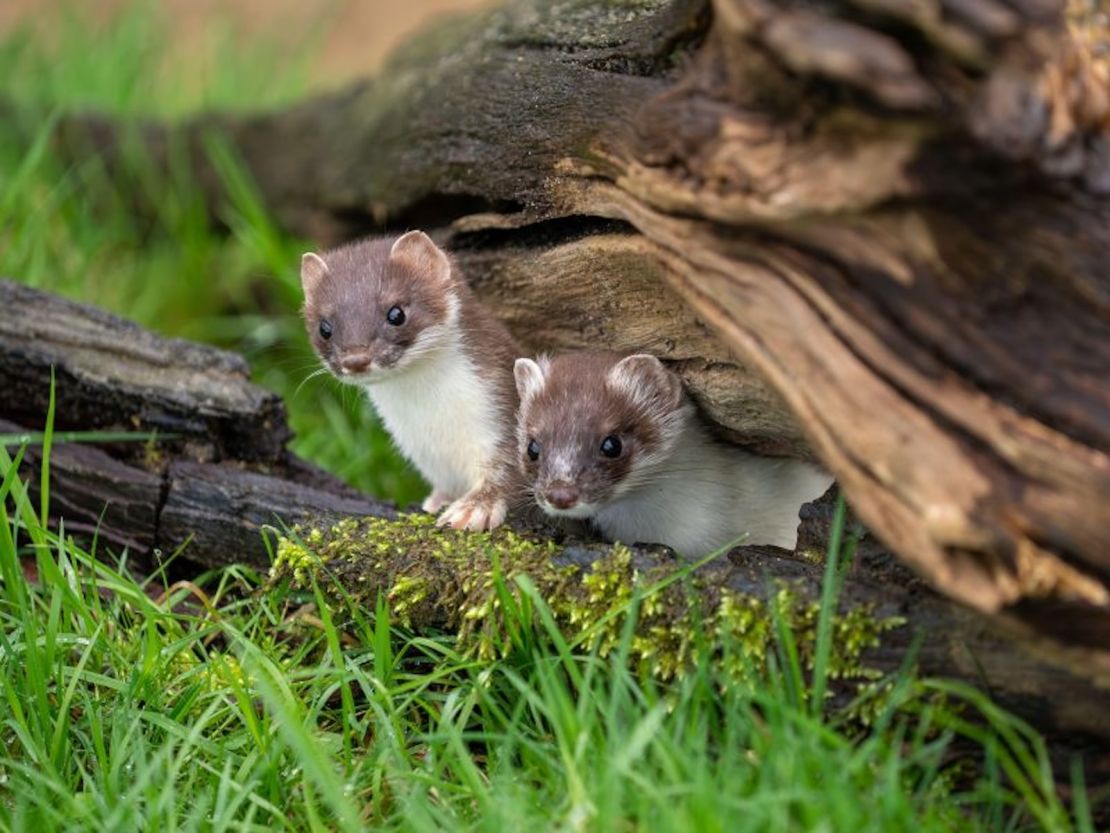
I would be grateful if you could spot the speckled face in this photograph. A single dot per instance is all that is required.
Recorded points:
(375, 307)
(590, 425)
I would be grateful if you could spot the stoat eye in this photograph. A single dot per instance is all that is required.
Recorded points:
(533, 450)
(611, 446)
(325, 328)
(395, 316)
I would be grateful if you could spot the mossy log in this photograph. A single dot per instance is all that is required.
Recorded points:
(874, 232)
(436, 580)
(202, 492)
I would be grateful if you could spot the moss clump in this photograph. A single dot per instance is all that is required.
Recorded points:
(463, 581)
(223, 670)
(297, 559)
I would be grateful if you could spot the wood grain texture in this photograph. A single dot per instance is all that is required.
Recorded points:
(96, 494)
(218, 512)
(887, 226)
(112, 374)
(210, 488)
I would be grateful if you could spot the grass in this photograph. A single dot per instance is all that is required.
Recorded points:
(211, 705)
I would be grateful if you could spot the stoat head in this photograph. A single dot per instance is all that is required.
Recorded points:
(379, 306)
(595, 426)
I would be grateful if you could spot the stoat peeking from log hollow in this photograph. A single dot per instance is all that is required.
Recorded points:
(616, 440)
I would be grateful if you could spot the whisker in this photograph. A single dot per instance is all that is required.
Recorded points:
(306, 379)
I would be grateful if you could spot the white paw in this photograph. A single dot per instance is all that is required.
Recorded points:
(474, 514)
(435, 501)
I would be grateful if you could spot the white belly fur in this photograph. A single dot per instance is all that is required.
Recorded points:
(442, 416)
(717, 496)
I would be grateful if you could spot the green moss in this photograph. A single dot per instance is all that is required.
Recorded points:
(222, 671)
(296, 558)
(462, 582)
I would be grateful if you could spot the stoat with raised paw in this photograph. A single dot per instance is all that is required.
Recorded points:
(394, 316)
(616, 440)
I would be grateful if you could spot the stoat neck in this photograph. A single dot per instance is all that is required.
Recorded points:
(443, 413)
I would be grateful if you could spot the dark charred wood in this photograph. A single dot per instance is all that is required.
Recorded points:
(219, 512)
(113, 375)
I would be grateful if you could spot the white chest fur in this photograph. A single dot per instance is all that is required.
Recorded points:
(443, 416)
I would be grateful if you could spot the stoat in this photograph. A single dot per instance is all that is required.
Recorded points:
(616, 440)
(394, 316)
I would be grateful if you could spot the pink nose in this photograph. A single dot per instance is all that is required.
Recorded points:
(355, 362)
(562, 495)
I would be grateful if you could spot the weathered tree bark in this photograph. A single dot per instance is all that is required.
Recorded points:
(873, 231)
(218, 469)
(213, 493)
(109, 371)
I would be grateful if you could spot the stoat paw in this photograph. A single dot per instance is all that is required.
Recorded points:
(435, 501)
(473, 513)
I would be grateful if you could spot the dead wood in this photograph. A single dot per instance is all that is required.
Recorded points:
(871, 231)
(217, 470)
(156, 498)
(874, 232)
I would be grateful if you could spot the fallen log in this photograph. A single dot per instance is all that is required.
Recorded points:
(155, 499)
(873, 232)
(112, 372)
(216, 470)
(442, 581)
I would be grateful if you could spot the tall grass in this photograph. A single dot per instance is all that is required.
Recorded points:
(73, 228)
(210, 706)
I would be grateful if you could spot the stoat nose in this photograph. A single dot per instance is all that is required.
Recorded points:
(562, 495)
(355, 362)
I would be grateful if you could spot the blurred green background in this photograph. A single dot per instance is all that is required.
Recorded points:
(71, 229)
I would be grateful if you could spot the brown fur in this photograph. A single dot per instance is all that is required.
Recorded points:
(672, 482)
(360, 286)
(577, 408)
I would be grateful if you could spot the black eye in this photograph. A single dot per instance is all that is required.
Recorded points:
(611, 446)
(533, 450)
(395, 316)
(325, 328)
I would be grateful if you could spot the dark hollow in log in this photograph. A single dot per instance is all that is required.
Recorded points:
(887, 226)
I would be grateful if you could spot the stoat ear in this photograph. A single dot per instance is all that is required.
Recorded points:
(415, 251)
(313, 270)
(644, 379)
(529, 377)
